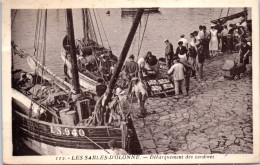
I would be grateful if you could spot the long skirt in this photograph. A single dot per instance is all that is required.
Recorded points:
(213, 43)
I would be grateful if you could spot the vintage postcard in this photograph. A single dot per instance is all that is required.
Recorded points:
(87, 82)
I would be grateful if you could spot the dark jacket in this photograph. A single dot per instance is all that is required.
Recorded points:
(152, 60)
(192, 52)
(169, 51)
(181, 50)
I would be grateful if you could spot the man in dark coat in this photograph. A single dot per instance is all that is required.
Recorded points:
(168, 53)
(200, 61)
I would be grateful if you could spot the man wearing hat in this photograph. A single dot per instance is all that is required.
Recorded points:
(184, 41)
(131, 69)
(168, 53)
(177, 71)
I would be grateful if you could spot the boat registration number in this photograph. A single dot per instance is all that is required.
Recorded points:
(67, 131)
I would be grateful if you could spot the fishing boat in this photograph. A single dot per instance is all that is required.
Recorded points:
(99, 59)
(90, 74)
(223, 20)
(54, 117)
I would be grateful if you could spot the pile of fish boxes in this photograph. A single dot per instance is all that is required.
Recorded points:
(160, 86)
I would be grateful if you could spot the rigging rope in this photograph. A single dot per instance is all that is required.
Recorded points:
(93, 30)
(220, 13)
(139, 37)
(45, 34)
(14, 18)
(96, 144)
(84, 25)
(143, 34)
(44, 48)
(36, 50)
(104, 30)
(44, 40)
(38, 47)
(228, 11)
(98, 28)
(37, 33)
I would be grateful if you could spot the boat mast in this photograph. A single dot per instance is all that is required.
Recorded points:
(85, 24)
(123, 55)
(75, 74)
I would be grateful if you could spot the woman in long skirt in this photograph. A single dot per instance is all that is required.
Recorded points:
(213, 43)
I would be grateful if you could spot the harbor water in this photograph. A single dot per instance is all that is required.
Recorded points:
(169, 23)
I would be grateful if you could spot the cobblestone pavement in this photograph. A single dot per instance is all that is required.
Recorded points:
(215, 118)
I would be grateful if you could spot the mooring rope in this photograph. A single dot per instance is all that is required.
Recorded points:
(104, 30)
(97, 144)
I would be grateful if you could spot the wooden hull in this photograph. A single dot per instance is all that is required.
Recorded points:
(45, 149)
(47, 138)
(53, 139)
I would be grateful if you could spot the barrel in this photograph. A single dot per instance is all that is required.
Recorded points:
(68, 117)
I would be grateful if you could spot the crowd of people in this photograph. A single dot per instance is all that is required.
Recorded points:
(188, 59)
(185, 62)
